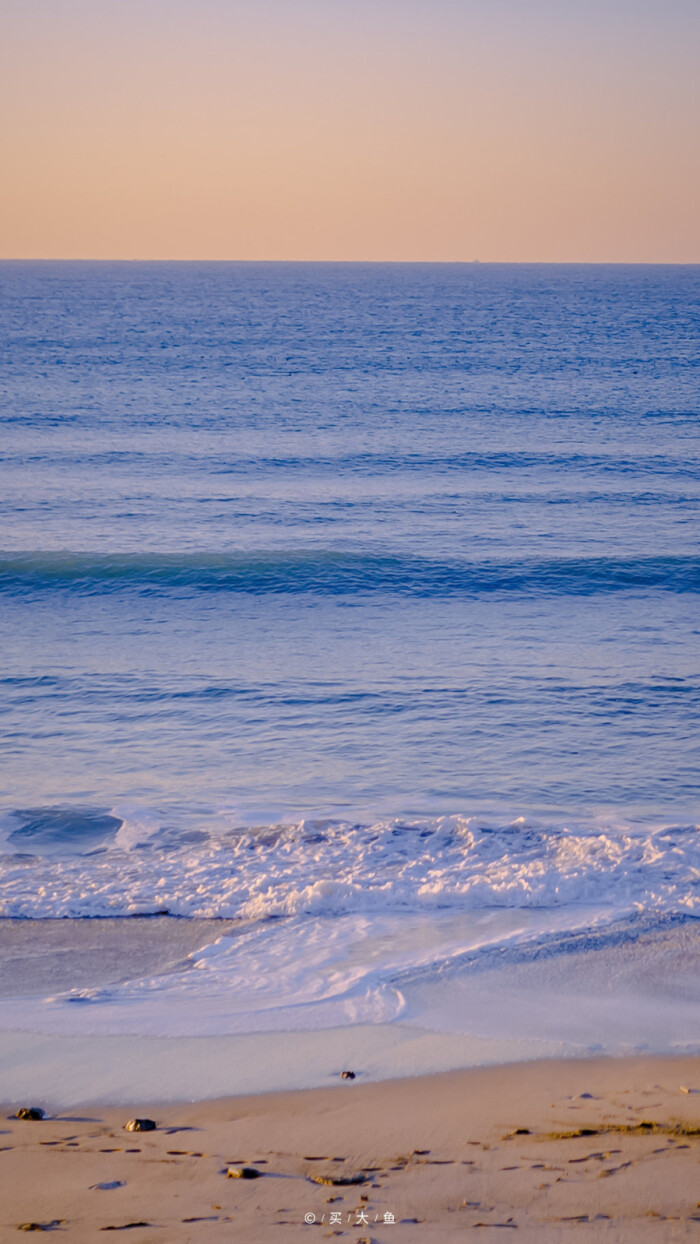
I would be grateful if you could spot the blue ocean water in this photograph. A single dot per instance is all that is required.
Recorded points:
(378, 579)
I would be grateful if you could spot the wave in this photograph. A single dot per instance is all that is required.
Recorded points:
(334, 868)
(328, 572)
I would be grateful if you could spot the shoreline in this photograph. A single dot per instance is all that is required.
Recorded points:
(73, 1030)
(548, 1148)
(72, 1072)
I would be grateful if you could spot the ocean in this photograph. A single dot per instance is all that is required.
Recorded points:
(357, 604)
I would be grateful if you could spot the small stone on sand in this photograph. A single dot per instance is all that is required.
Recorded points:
(140, 1125)
(243, 1172)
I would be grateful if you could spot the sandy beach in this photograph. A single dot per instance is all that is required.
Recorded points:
(592, 1149)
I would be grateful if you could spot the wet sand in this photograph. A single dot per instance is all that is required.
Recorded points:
(49, 956)
(596, 1149)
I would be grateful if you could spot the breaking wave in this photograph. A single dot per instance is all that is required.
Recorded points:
(332, 868)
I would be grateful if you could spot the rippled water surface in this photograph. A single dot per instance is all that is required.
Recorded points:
(400, 559)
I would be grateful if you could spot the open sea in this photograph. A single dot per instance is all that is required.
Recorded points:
(358, 603)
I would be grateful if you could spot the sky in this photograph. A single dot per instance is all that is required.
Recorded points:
(498, 130)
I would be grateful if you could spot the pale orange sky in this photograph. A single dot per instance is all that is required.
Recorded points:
(351, 129)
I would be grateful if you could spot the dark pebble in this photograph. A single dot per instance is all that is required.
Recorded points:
(347, 1075)
(140, 1125)
(30, 1112)
(243, 1172)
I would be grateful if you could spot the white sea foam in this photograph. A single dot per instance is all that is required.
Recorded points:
(342, 924)
(336, 868)
(295, 974)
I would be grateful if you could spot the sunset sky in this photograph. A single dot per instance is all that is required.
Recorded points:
(351, 129)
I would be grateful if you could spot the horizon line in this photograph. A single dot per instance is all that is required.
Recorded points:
(589, 263)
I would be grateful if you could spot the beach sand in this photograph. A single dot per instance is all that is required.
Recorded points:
(596, 1149)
